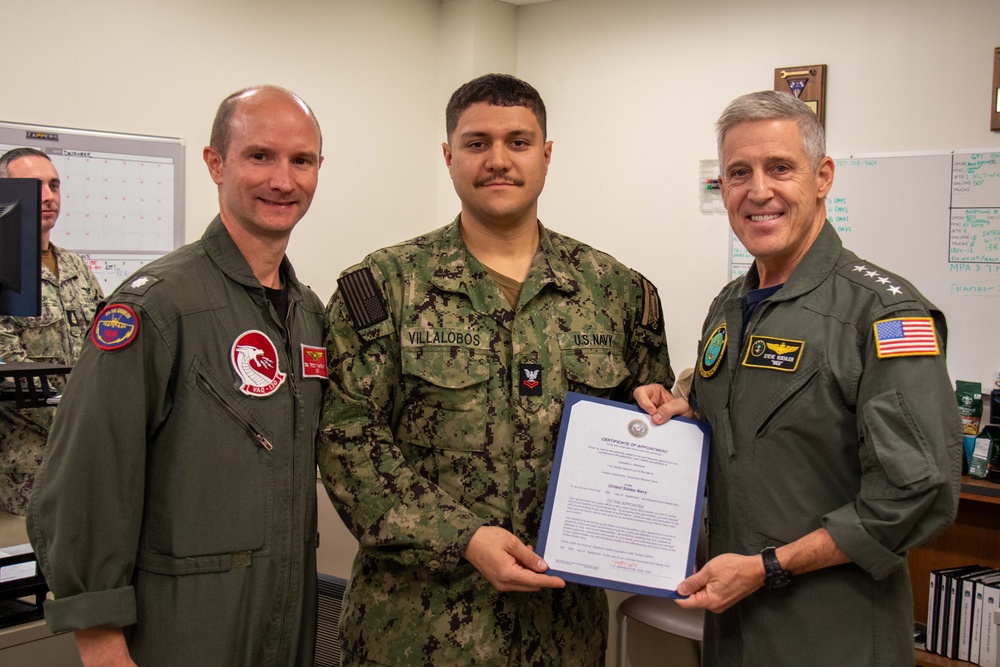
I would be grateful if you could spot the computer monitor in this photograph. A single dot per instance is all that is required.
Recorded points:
(20, 246)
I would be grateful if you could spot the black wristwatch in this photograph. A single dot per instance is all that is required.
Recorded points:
(774, 576)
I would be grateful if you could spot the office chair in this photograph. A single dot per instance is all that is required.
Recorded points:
(663, 613)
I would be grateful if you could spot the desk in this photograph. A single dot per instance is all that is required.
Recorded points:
(24, 374)
(33, 644)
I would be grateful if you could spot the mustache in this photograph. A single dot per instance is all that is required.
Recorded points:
(498, 179)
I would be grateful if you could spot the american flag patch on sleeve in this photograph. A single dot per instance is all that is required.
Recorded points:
(905, 337)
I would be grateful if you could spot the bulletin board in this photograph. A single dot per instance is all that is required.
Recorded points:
(122, 194)
(934, 219)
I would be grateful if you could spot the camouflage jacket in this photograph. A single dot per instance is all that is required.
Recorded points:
(56, 336)
(442, 416)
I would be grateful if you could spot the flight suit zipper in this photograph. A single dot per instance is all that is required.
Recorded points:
(257, 435)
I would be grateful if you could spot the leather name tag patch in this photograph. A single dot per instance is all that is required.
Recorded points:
(776, 354)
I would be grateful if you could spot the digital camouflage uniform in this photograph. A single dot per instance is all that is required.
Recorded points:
(442, 417)
(825, 433)
(173, 503)
(56, 336)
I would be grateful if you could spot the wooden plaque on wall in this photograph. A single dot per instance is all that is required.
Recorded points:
(995, 113)
(806, 82)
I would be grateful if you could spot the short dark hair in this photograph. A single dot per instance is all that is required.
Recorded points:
(17, 154)
(500, 90)
(222, 125)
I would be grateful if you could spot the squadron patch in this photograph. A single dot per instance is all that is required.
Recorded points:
(363, 298)
(715, 349)
(116, 327)
(776, 354)
(313, 361)
(531, 380)
(255, 360)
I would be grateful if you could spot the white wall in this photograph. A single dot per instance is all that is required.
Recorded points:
(369, 69)
(633, 88)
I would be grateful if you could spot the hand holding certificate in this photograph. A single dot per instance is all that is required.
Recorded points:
(625, 498)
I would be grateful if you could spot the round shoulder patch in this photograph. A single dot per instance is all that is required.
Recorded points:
(116, 327)
(715, 349)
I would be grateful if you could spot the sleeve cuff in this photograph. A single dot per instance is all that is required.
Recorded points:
(113, 608)
(866, 552)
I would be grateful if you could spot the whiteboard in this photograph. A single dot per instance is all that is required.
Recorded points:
(934, 219)
(122, 194)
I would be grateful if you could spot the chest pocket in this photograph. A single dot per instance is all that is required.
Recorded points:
(445, 396)
(592, 362)
(43, 334)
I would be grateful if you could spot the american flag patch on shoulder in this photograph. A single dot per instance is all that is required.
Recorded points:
(364, 300)
(905, 337)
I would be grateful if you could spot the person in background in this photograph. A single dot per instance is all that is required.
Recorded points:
(450, 358)
(836, 444)
(174, 516)
(70, 296)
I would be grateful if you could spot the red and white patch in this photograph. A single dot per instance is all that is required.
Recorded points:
(313, 361)
(255, 360)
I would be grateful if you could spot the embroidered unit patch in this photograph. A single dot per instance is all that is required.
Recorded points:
(116, 327)
(905, 337)
(714, 350)
(255, 360)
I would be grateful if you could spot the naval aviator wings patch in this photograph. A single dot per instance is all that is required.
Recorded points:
(776, 354)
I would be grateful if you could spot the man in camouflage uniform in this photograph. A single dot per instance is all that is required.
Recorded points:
(450, 357)
(70, 294)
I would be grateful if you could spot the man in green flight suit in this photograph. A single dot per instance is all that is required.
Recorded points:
(836, 443)
(450, 358)
(174, 515)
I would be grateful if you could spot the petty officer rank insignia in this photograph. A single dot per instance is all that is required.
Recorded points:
(313, 361)
(776, 354)
(255, 360)
(115, 328)
(531, 380)
(905, 337)
(714, 350)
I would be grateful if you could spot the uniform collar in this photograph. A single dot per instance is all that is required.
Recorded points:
(67, 270)
(227, 256)
(459, 271)
(816, 266)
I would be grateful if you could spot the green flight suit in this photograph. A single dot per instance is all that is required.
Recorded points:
(812, 429)
(442, 417)
(55, 336)
(171, 502)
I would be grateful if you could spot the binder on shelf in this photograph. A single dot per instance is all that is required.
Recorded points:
(955, 587)
(967, 586)
(988, 634)
(938, 641)
(978, 603)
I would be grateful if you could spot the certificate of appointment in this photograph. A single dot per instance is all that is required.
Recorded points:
(625, 498)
